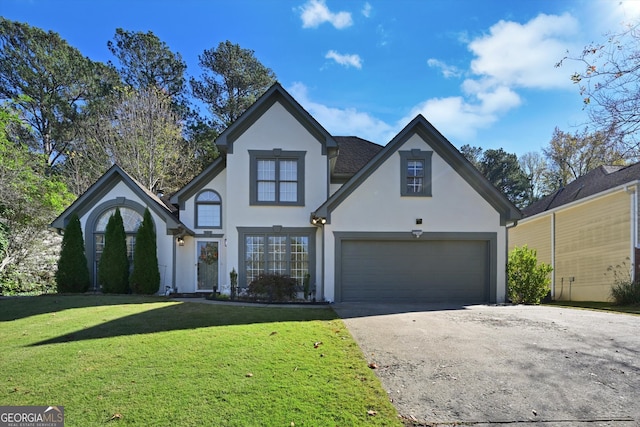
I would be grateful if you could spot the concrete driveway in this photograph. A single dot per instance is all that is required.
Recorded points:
(488, 365)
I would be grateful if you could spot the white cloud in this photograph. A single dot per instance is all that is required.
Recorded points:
(347, 60)
(447, 70)
(459, 118)
(524, 55)
(345, 122)
(511, 56)
(604, 16)
(315, 12)
(366, 10)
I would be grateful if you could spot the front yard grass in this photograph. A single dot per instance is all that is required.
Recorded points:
(154, 362)
(601, 306)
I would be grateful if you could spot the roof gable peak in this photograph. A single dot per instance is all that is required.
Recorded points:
(276, 93)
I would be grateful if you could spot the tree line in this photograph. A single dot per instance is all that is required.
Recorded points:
(65, 119)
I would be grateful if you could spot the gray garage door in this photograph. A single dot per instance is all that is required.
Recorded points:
(415, 270)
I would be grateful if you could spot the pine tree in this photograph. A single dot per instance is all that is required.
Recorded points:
(73, 273)
(145, 278)
(113, 270)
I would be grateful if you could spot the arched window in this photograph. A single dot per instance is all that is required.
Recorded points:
(131, 221)
(208, 210)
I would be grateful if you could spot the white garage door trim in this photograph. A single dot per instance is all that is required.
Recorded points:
(490, 238)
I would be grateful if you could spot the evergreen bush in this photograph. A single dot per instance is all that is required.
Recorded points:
(273, 287)
(113, 269)
(529, 282)
(145, 277)
(73, 272)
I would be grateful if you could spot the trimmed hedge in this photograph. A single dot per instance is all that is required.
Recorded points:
(113, 270)
(73, 273)
(145, 277)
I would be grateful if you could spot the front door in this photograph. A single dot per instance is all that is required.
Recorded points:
(207, 253)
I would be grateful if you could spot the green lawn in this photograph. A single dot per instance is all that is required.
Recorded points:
(154, 362)
(602, 306)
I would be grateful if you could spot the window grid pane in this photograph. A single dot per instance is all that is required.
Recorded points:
(130, 219)
(277, 180)
(277, 255)
(266, 191)
(208, 215)
(299, 257)
(254, 254)
(288, 170)
(415, 176)
(266, 170)
(208, 196)
(282, 254)
(288, 181)
(288, 191)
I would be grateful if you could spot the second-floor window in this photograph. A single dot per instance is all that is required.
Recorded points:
(415, 176)
(277, 177)
(208, 210)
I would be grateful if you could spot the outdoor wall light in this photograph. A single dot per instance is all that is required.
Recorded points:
(316, 220)
(416, 233)
(180, 241)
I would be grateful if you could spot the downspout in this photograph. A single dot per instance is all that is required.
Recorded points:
(319, 222)
(631, 190)
(173, 275)
(553, 256)
(506, 257)
(320, 297)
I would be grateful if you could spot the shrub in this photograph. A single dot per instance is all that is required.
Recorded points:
(73, 273)
(306, 285)
(273, 287)
(113, 269)
(13, 282)
(624, 290)
(625, 293)
(145, 277)
(528, 281)
(233, 276)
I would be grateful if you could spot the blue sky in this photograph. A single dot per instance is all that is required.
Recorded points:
(481, 71)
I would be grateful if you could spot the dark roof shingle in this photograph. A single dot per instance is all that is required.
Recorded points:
(598, 180)
(353, 154)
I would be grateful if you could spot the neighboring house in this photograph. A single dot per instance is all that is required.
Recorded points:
(410, 221)
(583, 229)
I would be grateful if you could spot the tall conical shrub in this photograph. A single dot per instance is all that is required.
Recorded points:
(113, 269)
(73, 272)
(145, 278)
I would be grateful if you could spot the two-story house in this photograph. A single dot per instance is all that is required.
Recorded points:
(410, 221)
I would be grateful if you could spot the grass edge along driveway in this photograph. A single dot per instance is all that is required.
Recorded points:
(151, 361)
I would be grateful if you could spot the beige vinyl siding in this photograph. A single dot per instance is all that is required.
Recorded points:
(536, 234)
(590, 237)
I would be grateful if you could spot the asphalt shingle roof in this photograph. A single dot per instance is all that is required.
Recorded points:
(353, 154)
(598, 180)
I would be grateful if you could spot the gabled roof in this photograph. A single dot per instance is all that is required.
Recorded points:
(440, 145)
(353, 154)
(598, 180)
(275, 93)
(217, 166)
(102, 186)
